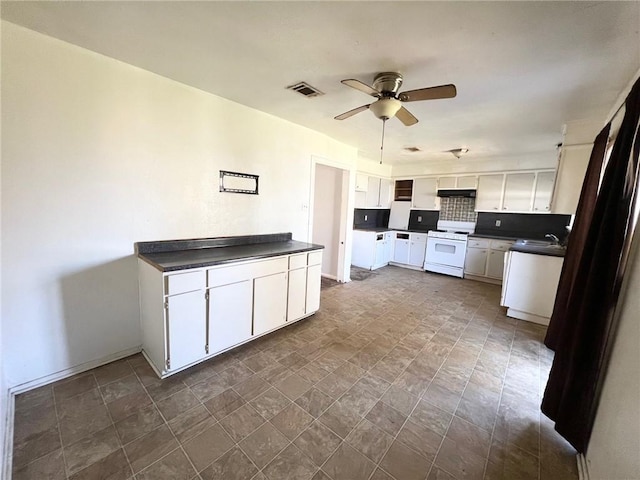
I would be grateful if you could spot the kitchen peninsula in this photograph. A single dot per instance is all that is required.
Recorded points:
(201, 297)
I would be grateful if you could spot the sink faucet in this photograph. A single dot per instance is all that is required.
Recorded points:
(554, 239)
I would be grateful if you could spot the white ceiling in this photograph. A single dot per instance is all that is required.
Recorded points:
(522, 69)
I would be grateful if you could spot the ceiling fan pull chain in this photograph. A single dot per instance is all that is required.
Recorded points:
(384, 121)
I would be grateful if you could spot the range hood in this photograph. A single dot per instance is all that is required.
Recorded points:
(457, 192)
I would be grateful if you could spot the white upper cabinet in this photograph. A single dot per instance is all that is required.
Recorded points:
(446, 182)
(468, 181)
(425, 194)
(518, 192)
(362, 182)
(385, 193)
(463, 181)
(489, 195)
(372, 192)
(544, 191)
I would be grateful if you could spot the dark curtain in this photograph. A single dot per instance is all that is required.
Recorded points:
(585, 336)
(560, 317)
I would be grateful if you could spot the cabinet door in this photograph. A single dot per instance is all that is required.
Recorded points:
(385, 193)
(425, 193)
(446, 182)
(362, 182)
(297, 296)
(186, 328)
(495, 264)
(518, 192)
(373, 193)
(401, 251)
(475, 263)
(544, 191)
(467, 181)
(361, 200)
(313, 289)
(379, 260)
(416, 253)
(269, 302)
(389, 239)
(489, 193)
(229, 319)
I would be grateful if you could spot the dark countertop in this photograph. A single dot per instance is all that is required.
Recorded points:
(169, 261)
(539, 250)
(493, 237)
(382, 229)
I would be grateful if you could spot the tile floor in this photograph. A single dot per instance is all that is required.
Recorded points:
(402, 376)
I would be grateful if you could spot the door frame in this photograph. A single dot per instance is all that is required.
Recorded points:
(347, 203)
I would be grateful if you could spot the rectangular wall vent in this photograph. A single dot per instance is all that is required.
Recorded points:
(305, 89)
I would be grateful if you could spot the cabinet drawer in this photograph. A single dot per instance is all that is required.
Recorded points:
(297, 261)
(184, 282)
(269, 267)
(501, 245)
(228, 275)
(419, 237)
(478, 243)
(315, 258)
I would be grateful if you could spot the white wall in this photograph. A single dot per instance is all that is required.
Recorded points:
(614, 447)
(326, 215)
(372, 167)
(97, 155)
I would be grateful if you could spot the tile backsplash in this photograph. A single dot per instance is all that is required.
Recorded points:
(460, 209)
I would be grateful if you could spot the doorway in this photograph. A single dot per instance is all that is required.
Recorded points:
(330, 218)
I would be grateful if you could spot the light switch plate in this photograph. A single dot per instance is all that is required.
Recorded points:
(498, 223)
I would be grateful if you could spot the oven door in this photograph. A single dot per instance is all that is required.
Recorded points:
(444, 251)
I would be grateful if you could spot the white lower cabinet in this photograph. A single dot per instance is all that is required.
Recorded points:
(401, 248)
(475, 263)
(269, 302)
(417, 249)
(410, 249)
(186, 328)
(188, 316)
(313, 289)
(371, 250)
(530, 285)
(229, 315)
(485, 259)
(297, 294)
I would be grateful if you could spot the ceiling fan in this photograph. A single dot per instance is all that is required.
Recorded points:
(389, 101)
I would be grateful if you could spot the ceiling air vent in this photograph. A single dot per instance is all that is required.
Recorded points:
(305, 89)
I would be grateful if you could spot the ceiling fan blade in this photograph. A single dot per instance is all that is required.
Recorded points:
(363, 87)
(406, 117)
(430, 93)
(351, 113)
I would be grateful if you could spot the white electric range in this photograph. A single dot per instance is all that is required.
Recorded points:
(447, 247)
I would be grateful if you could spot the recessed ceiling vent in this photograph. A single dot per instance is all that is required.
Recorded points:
(411, 149)
(305, 89)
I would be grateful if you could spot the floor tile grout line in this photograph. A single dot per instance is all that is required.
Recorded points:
(504, 381)
(421, 398)
(55, 407)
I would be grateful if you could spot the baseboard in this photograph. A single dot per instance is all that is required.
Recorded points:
(330, 277)
(68, 372)
(583, 467)
(39, 382)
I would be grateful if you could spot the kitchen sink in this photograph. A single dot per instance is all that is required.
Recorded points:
(536, 243)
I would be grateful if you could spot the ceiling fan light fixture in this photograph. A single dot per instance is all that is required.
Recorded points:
(385, 108)
(458, 152)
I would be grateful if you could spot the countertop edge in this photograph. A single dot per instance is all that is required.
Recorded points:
(538, 251)
(204, 264)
